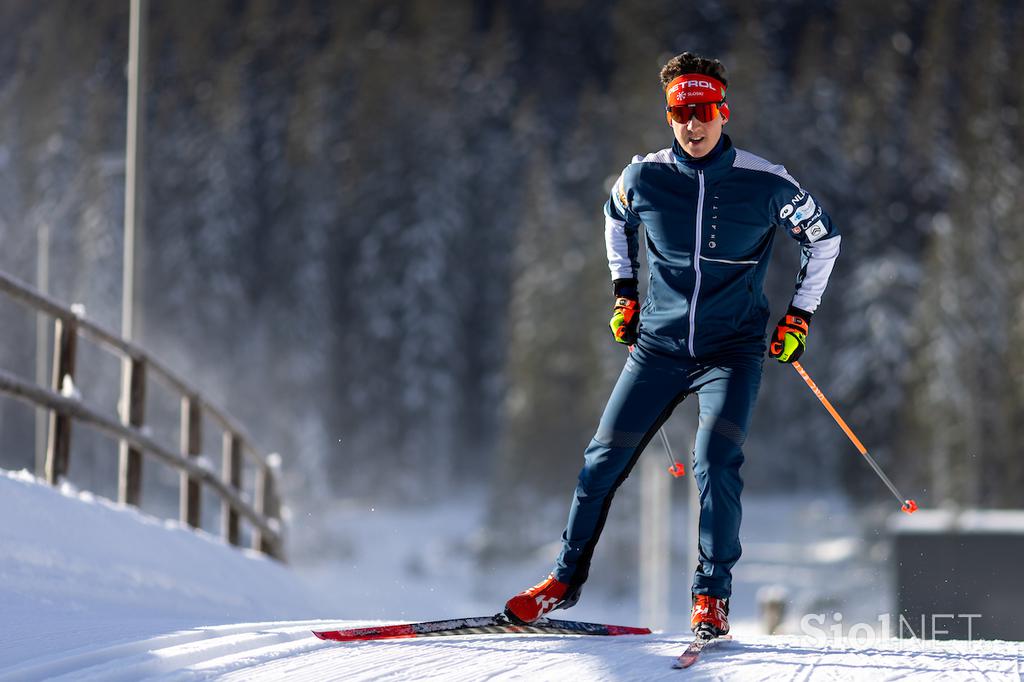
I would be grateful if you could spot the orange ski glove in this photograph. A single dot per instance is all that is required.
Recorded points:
(790, 337)
(626, 314)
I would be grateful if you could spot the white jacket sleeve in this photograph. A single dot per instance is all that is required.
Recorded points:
(621, 226)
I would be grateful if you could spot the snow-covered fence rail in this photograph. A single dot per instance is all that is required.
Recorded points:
(261, 508)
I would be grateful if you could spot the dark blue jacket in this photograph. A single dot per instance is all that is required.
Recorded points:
(710, 225)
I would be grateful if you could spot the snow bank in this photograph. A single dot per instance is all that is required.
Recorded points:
(80, 568)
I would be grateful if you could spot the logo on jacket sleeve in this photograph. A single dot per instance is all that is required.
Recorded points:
(620, 192)
(815, 232)
(805, 211)
(788, 210)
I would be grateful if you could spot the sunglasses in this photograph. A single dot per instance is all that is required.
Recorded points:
(704, 111)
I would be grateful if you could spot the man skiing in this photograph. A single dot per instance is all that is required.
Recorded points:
(710, 213)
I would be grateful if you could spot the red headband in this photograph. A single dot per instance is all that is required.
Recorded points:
(696, 88)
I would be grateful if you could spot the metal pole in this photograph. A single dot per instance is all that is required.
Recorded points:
(692, 527)
(655, 543)
(133, 177)
(42, 343)
(129, 480)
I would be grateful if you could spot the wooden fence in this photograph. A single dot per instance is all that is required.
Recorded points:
(263, 512)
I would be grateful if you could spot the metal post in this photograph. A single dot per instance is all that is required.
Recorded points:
(692, 526)
(655, 542)
(132, 377)
(133, 177)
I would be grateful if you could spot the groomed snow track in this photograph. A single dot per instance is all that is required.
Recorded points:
(288, 650)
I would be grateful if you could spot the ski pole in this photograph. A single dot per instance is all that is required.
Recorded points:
(909, 506)
(675, 468)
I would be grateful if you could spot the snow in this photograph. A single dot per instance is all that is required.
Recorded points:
(91, 590)
(82, 568)
(68, 388)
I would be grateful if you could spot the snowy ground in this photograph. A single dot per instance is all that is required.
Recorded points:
(91, 591)
(286, 651)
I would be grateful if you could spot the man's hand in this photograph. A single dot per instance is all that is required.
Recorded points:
(625, 320)
(790, 337)
(626, 314)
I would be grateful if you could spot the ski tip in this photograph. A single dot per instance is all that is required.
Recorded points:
(626, 630)
(693, 651)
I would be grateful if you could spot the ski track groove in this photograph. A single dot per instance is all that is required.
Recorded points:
(288, 650)
(132, 660)
(361, 662)
(484, 657)
(981, 673)
(499, 659)
(806, 670)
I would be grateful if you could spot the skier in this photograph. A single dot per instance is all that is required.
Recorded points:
(710, 213)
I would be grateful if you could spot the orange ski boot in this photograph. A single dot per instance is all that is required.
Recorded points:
(710, 616)
(546, 596)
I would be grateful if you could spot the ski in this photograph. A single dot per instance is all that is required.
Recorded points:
(689, 657)
(483, 625)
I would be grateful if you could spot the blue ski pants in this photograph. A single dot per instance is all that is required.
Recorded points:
(649, 388)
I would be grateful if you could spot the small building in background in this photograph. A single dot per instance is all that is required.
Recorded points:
(959, 574)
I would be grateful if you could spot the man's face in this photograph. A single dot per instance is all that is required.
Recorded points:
(696, 138)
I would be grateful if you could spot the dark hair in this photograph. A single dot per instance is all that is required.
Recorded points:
(689, 62)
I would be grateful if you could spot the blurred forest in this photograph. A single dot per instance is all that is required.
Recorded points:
(374, 230)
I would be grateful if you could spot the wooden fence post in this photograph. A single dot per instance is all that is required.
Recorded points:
(133, 407)
(258, 503)
(267, 506)
(58, 445)
(191, 444)
(231, 471)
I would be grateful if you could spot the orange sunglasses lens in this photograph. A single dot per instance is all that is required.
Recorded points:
(705, 112)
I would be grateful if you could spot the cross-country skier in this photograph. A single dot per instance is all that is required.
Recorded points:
(710, 213)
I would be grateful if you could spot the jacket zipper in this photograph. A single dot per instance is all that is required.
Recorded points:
(696, 261)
